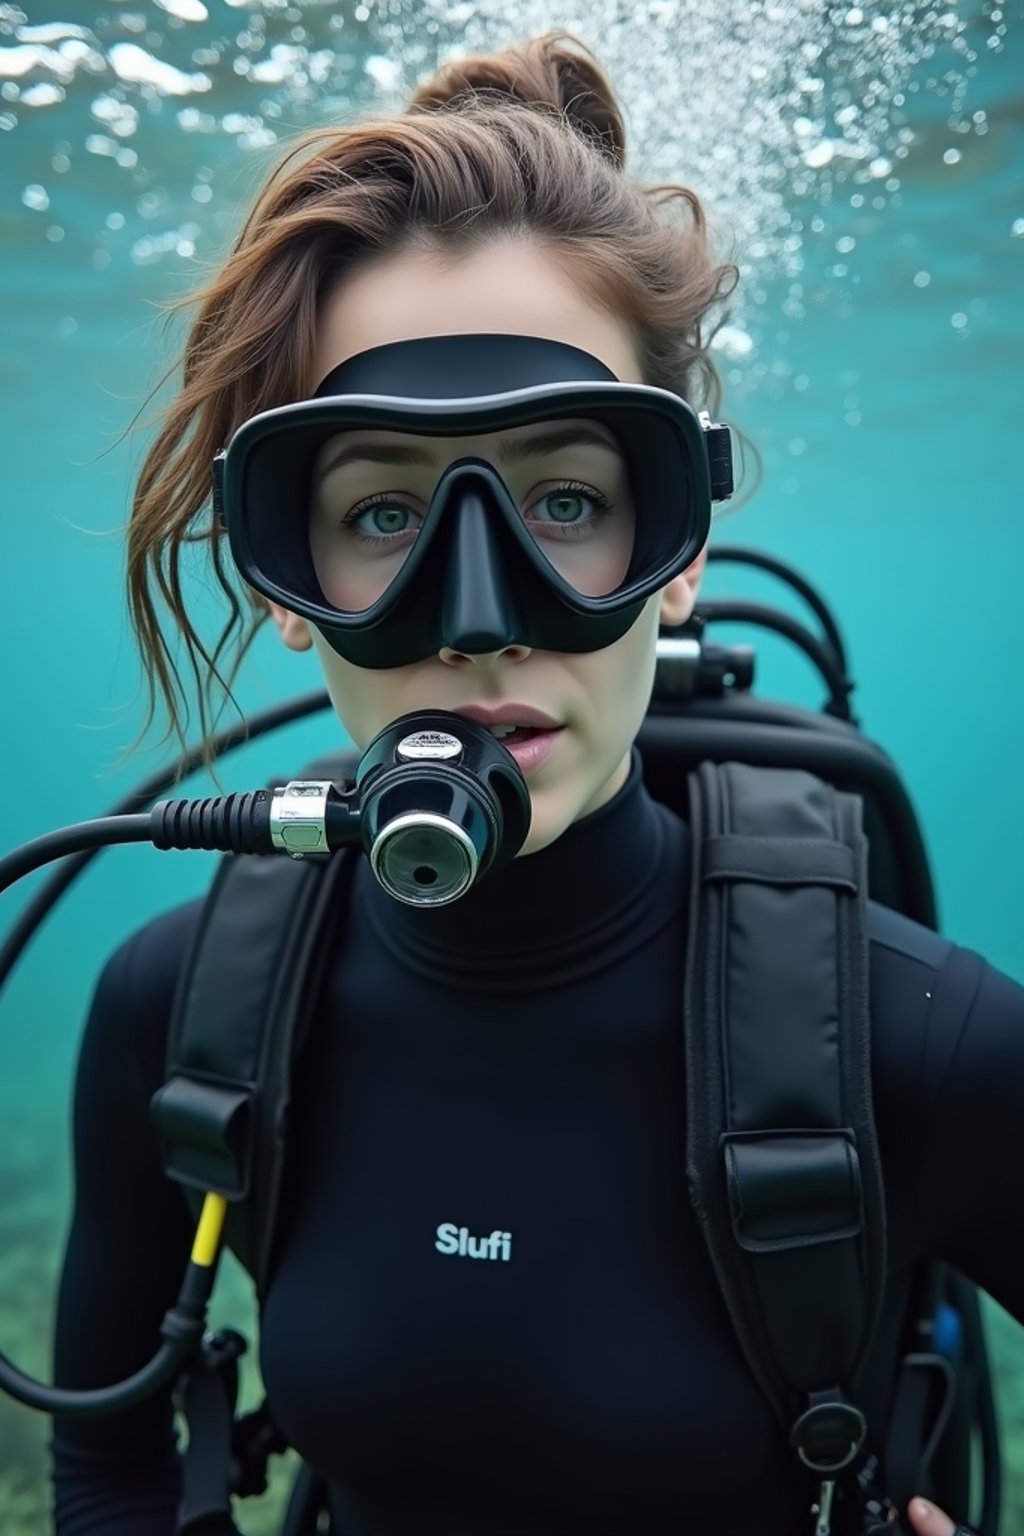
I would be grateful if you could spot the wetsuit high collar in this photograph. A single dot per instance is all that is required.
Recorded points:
(549, 916)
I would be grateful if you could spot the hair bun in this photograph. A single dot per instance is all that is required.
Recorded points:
(555, 73)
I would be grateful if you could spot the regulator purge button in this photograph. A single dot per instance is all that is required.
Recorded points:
(436, 745)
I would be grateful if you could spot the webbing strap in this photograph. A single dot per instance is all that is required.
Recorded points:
(782, 1156)
(244, 997)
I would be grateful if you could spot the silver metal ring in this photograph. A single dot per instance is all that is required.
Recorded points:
(417, 820)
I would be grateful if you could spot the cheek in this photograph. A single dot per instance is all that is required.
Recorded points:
(620, 677)
(357, 695)
(366, 701)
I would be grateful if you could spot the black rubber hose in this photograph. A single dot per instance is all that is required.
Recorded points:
(725, 610)
(83, 837)
(48, 895)
(740, 555)
(95, 1403)
(182, 1329)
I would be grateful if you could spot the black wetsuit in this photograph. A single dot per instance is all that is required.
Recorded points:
(513, 1065)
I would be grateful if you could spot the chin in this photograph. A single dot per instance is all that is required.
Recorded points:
(548, 821)
(539, 838)
(544, 830)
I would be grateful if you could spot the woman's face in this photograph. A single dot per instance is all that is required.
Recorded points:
(599, 698)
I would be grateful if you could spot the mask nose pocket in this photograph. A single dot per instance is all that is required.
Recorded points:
(477, 613)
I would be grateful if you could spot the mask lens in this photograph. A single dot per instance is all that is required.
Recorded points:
(370, 493)
(585, 534)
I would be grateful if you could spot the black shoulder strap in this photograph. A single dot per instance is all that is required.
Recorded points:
(243, 1002)
(782, 1155)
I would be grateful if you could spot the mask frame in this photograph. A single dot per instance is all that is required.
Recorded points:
(475, 578)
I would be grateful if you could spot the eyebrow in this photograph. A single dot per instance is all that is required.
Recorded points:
(514, 450)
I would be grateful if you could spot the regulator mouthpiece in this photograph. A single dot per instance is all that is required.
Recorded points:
(441, 803)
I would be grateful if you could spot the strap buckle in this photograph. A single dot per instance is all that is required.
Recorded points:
(829, 1434)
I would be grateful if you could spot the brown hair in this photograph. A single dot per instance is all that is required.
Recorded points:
(529, 141)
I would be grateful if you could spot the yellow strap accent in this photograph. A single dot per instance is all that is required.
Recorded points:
(208, 1232)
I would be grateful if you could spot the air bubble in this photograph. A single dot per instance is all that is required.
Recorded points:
(44, 94)
(732, 342)
(819, 155)
(184, 10)
(828, 96)
(36, 197)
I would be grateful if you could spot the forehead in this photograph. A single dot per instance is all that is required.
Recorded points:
(514, 287)
(515, 445)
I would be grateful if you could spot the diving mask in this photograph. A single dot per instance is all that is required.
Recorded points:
(472, 492)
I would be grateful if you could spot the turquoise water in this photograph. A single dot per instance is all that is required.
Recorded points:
(875, 357)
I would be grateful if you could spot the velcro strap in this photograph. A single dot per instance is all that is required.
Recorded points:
(792, 1189)
(780, 861)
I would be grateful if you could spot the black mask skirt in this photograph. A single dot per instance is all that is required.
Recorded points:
(472, 491)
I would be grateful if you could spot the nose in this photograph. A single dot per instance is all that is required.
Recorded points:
(509, 654)
(479, 612)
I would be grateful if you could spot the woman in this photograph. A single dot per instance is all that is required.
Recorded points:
(493, 1070)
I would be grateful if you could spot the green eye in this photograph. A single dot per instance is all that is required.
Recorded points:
(380, 520)
(388, 519)
(573, 506)
(563, 507)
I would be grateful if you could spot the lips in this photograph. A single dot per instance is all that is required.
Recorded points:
(526, 715)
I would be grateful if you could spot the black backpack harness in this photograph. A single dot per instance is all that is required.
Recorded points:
(782, 1155)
